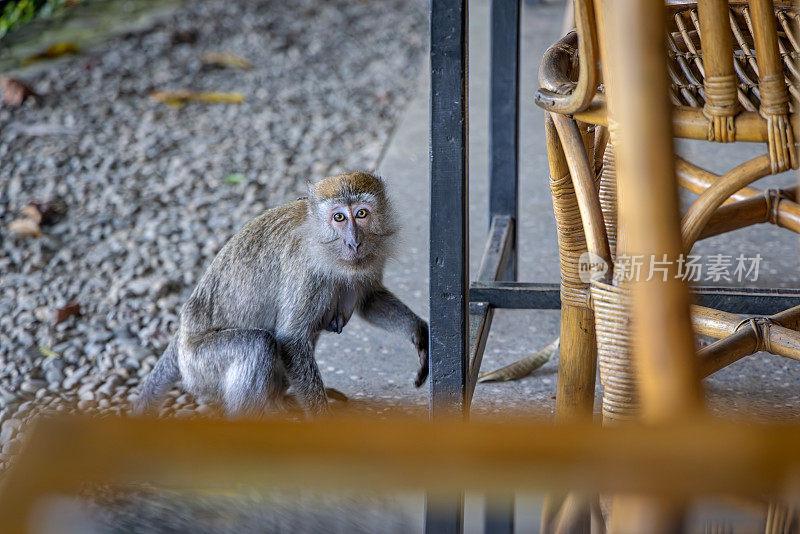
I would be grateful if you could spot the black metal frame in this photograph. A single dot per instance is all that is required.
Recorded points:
(461, 314)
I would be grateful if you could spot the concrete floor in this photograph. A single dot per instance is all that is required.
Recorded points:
(366, 364)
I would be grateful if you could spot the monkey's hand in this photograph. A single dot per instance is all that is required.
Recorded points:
(420, 340)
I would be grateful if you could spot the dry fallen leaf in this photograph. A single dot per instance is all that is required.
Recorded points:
(179, 98)
(62, 314)
(14, 91)
(49, 210)
(55, 50)
(47, 352)
(32, 212)
(185, 37)
(25, 227)
(223, 59)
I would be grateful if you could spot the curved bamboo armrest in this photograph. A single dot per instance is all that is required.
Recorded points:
(691, 123)
(558, 92)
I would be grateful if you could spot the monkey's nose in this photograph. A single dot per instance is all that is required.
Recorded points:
(354, 247)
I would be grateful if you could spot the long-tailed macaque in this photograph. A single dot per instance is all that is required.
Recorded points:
(250, 327)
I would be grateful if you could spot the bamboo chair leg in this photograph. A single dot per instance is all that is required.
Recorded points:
(578, 356)
(573, 519)
(551, 507)
(649, 209)
(612, 308)
(614, 352)
(608, 196)
(577, 361)
(572, 147)
(636, 74)
(639, 515)
(780, 519)
(576, 364)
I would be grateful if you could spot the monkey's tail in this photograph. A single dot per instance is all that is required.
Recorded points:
(160, 379)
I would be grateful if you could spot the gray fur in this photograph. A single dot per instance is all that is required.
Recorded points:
(250, 328)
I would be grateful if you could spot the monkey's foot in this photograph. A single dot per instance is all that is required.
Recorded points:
(335, 394)
(290, 403)
(523, 367)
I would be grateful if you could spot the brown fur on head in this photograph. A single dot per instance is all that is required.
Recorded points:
(346, 186)
(352, 218)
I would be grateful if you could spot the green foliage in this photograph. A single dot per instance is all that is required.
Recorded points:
(18, 12)
(235, 178)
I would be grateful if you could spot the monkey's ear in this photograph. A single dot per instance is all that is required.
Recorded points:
(382, 181)
(310, 191)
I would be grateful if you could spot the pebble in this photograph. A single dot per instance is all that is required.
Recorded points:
(32, 385)
(6, 396)
(12, 447)
(76, 377)
(54, 375)
(105, 390)
(8, 429)
(122, 373)
(136, 353)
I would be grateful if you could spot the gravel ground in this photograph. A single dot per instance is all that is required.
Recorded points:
(147, 203)
(142, 511)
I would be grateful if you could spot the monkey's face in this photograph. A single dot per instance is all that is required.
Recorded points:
(352, 219)
(352, 224)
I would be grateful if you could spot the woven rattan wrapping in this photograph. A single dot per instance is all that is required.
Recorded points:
(571, 241)
(773, 198)
(721, 107)
(612, 327)
(608, 197)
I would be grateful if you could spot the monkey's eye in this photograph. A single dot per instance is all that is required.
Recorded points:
(339, 217)
(361, 214)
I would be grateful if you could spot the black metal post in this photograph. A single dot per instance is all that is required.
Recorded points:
(499, 514)
(504, 174)
(449, 252)
(504, 118)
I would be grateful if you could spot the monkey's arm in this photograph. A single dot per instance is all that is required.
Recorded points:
(301, 369)
(381, 308)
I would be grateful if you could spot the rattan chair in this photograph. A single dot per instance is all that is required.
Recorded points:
(733, 78)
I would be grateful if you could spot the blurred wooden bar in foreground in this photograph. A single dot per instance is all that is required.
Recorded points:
(677, 459)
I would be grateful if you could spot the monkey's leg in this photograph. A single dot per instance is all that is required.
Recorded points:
(250, 377)
(303, 373)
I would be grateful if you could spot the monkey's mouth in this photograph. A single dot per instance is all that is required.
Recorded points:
(348, 255)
